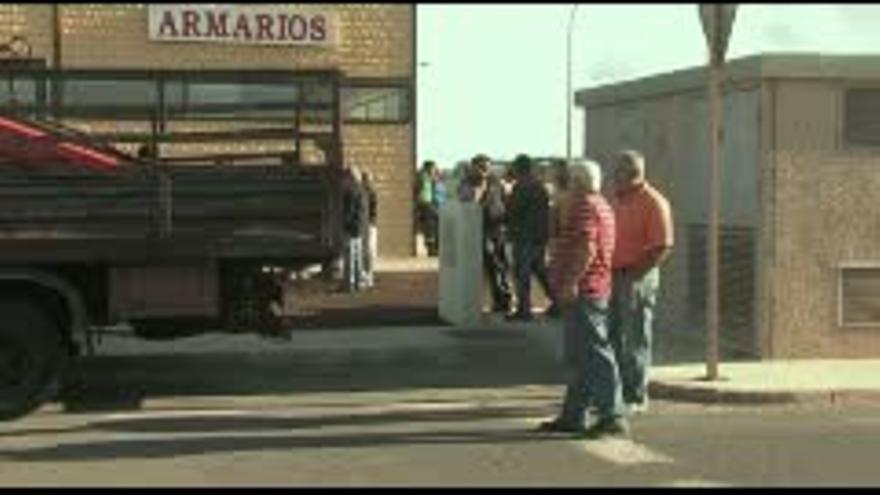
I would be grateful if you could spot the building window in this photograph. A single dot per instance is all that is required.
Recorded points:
(248, 101)
(21, 87)
(120, 94)
(861, 119)
(376, 104)
(859, 296)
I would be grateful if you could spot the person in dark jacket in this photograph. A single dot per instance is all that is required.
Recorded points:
(353, 219)
(495, 262)
(528, 227)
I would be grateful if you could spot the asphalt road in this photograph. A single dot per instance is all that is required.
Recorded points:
(455, 412)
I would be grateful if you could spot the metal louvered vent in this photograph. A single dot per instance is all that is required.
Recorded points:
(736, 284)
(859, 296)
(861, 119)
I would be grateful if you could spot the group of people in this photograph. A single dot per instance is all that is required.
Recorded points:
(604, 251)
(359, 207)
(517, 220)
(605, 271)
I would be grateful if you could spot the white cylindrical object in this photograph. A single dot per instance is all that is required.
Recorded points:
(460, 285)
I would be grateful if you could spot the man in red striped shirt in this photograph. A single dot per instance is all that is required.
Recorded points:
(581, 274)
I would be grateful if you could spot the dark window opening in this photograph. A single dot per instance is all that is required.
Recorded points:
(861, 120)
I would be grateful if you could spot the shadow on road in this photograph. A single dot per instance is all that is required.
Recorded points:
(238, 422)
(167, 448)
(163, 448)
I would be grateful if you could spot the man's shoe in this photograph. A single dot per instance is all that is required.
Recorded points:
(636, 408)
(558, 426)
(605, 428)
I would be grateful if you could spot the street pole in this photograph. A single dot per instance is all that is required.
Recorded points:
(568, 95)
(713, 319)
(717, 20)
(55, 94)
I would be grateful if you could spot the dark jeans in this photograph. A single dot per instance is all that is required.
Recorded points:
(592, 375)
(496, 267)
(631, 330)
(428, 219)
(528, 260)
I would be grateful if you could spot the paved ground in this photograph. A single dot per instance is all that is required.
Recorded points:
(397, 414)
(366, 405)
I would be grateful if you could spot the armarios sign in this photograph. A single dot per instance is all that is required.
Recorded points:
(252, 24)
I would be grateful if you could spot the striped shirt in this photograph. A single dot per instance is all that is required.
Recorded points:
(590, 221)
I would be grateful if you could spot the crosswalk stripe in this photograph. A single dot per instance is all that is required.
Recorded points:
(623, 451)
(694, 483)
(620, 451)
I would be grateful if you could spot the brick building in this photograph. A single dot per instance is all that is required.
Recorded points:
(372, 45)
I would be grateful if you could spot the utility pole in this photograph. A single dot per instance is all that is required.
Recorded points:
(56, 61)
(568, 95)
(717, 20)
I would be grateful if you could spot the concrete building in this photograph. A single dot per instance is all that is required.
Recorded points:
(373, 45)
(800, 270)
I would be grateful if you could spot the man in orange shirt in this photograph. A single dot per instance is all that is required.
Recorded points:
(644, 239)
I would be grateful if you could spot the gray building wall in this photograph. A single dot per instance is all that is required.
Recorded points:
(797, 201)
(671, 130)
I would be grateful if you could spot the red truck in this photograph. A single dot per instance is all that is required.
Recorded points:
(163, 242)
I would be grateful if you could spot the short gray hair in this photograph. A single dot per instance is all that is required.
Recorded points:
(587, 174)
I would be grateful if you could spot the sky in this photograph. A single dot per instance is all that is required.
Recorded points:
(491, 77)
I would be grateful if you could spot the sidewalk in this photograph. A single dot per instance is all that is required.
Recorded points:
(412, 264)
(679, 374)
(765, 382)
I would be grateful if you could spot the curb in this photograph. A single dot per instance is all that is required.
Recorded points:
(682, 392)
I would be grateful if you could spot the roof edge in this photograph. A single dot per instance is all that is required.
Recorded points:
(743, 69)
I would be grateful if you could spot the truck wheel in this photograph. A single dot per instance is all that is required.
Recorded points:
(32, 358)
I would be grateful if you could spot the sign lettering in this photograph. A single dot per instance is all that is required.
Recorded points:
(242, 24)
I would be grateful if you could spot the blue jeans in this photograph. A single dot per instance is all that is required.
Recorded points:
(591, 368)
(528, 259)
(631, 330)
(354, 264)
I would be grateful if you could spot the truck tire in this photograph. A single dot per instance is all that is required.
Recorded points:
(32, 357)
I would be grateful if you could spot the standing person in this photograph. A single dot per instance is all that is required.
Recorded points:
(371, 236)
(528, 218)
(439, 199)
(644, 240)
(440, 190)
(560, 200)
(426, 211)
(490, 195)
(353, 218)
(582, 276)
(469, 183)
